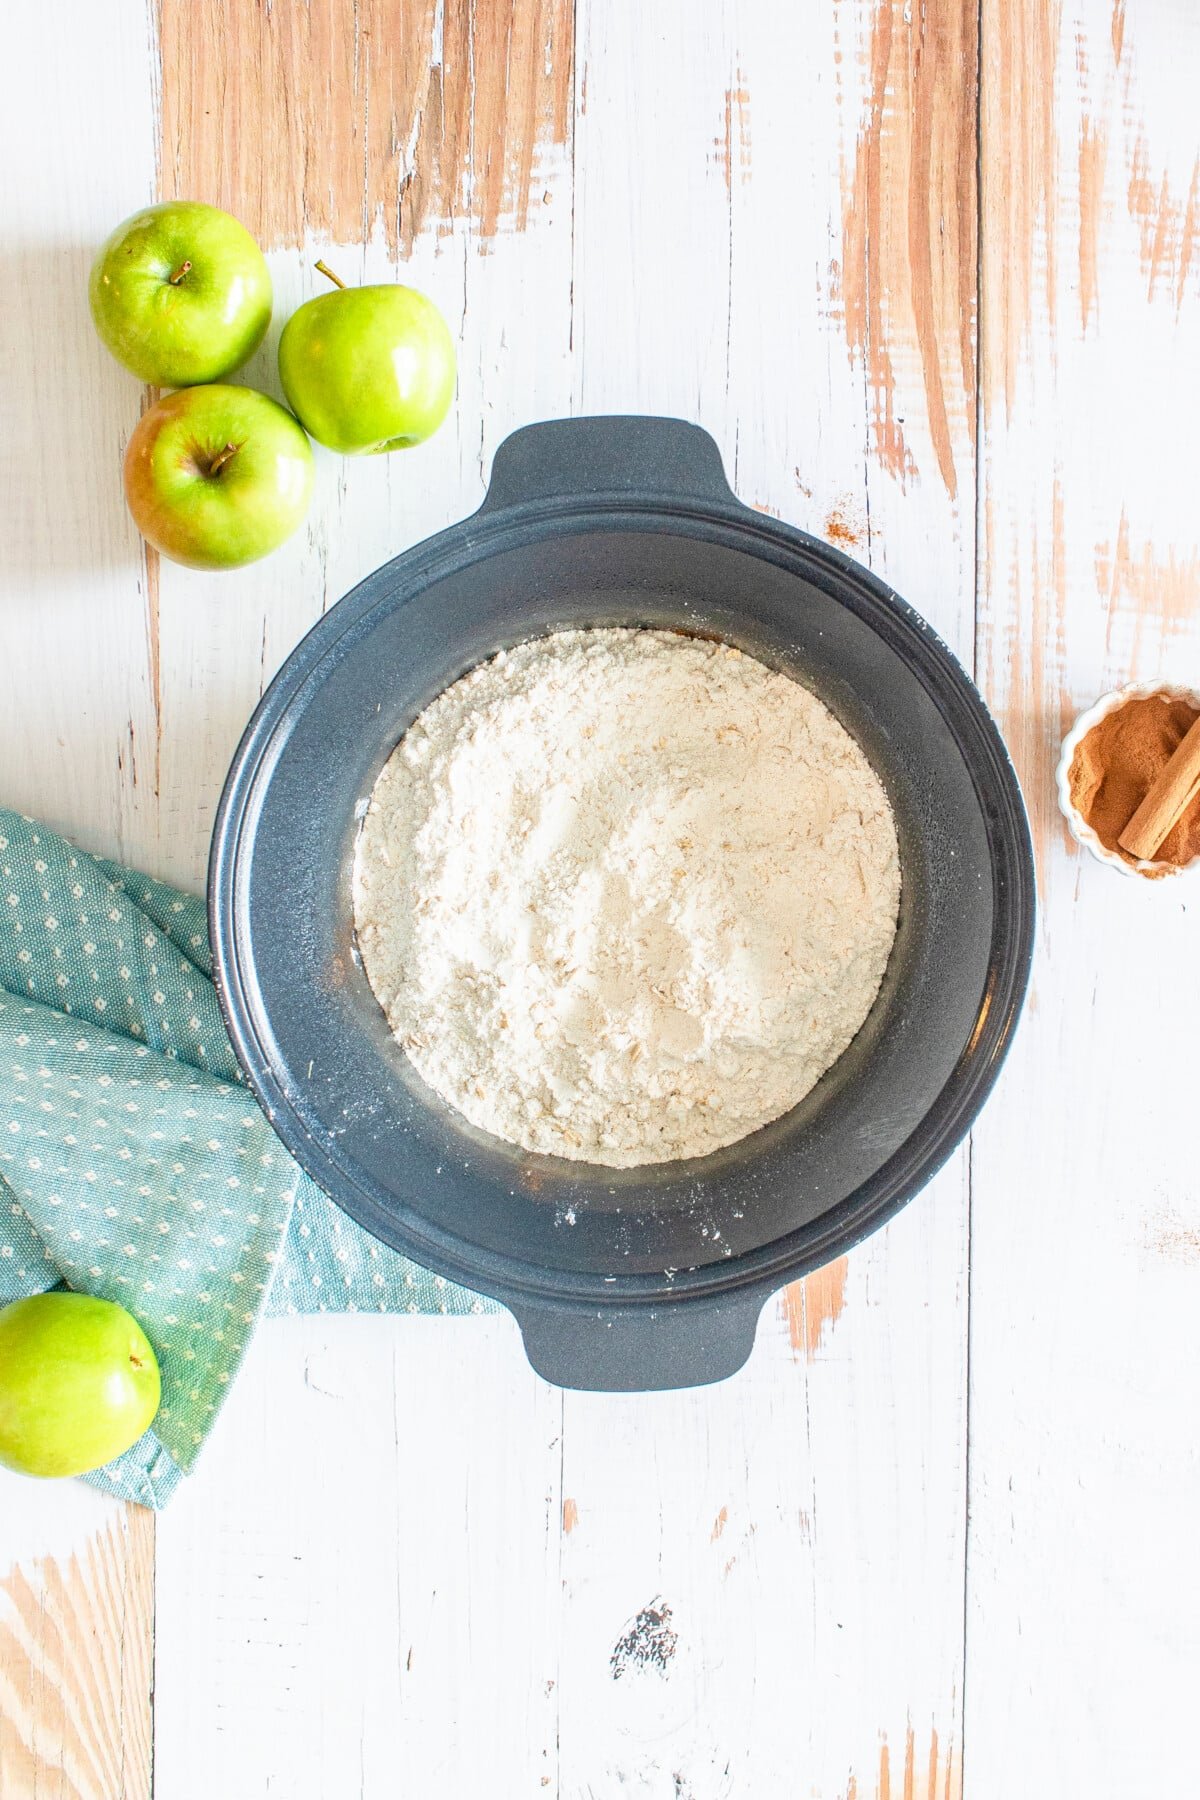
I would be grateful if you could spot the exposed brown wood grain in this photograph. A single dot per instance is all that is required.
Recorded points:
(733, 146)
(1018, 254)
(1093, 159)
(76, 1670)
(1037, 715)
(908, 272)
(1036, 216)
(154, 654)
(1026, 217)
(337, 115)
(935, 1776)
(811, 1307)
(1088, 155)
(1118, 29)
(1167, 223)
(1161, 588)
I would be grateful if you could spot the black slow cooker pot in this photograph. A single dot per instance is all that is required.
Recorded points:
(651, 1277)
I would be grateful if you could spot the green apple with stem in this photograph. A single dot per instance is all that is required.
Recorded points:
(180, 293)
(367, 369)
(217, 476)
(79, 1383)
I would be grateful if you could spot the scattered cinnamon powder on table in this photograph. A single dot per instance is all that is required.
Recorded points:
(1115, 765)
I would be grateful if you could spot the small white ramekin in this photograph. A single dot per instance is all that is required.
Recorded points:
(1078, 826)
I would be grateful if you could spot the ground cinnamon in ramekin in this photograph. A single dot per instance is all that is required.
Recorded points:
(1117, 760)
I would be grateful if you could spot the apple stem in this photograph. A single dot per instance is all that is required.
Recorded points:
(218, 462)
(179, 274)
(326, 270)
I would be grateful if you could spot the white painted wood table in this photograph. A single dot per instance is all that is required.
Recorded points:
(930, 273)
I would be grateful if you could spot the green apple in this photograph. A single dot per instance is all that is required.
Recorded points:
(79, 1383)
(180, 293)
(368, 369)
(217, 476)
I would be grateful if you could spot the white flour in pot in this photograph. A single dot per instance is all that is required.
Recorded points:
(625, 895)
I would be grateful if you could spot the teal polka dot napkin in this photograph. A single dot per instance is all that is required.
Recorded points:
(135, 1164)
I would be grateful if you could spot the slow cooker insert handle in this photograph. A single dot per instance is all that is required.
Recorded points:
(636, 1349)
(635, 457)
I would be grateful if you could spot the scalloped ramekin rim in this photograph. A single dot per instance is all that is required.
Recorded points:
(1077, 825)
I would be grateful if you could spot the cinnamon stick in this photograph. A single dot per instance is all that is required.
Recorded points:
(1173, 789)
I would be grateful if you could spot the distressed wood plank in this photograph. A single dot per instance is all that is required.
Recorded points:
(397, 114)
(77, 728)
(76, 1650)
(747, 1552)
(1083, 1645)
(77, 732)
(740, 1563)
(498, 266)
(367, 1557)
(421, 1554)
